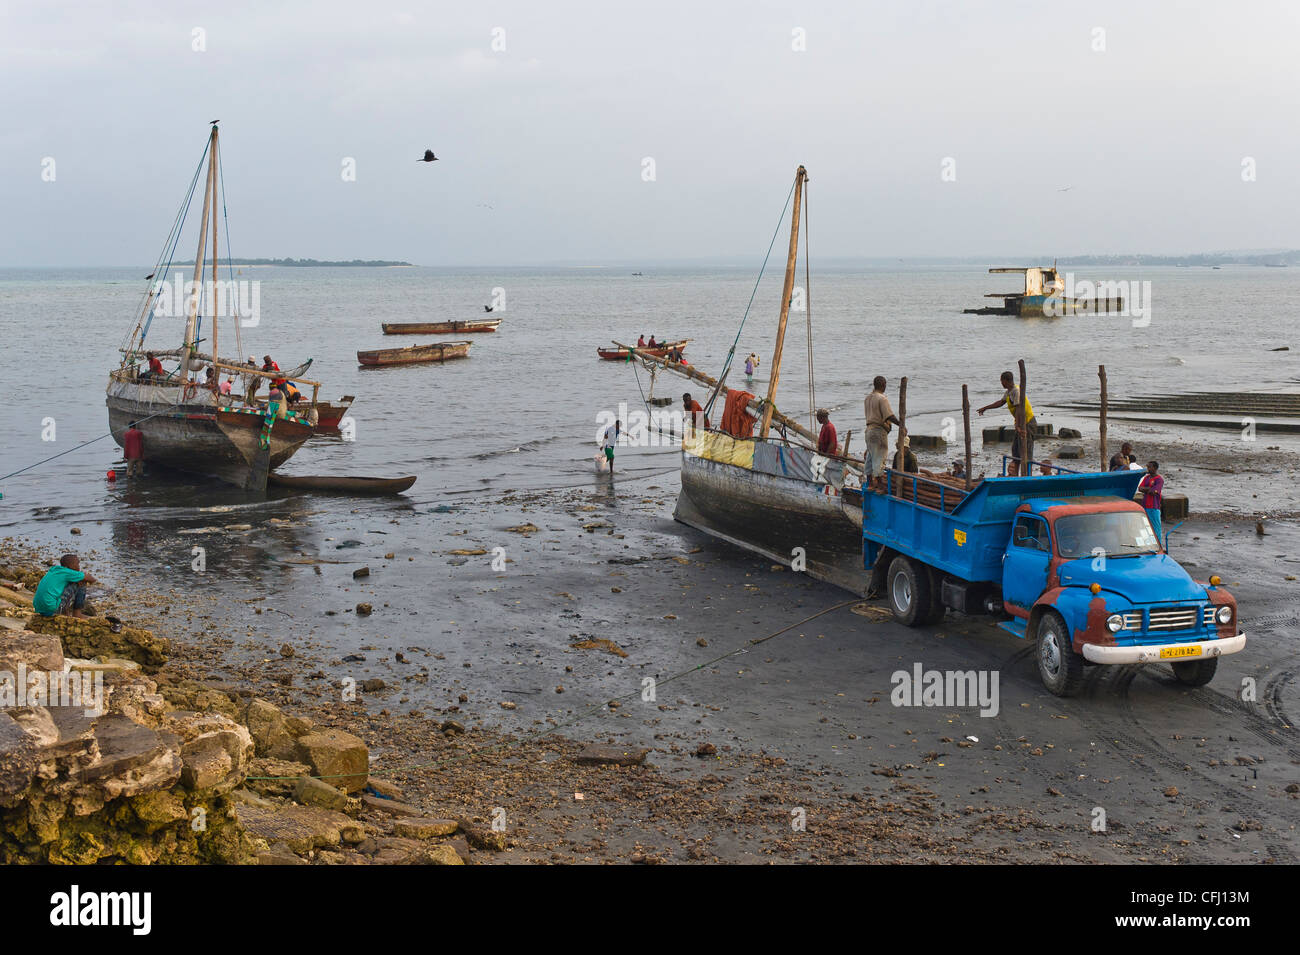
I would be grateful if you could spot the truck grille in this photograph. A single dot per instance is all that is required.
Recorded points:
(1180, 618)
(1207, 616)
(1133, 621)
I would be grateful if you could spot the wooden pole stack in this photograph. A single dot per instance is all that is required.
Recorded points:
(965, 414)
(1105, 460)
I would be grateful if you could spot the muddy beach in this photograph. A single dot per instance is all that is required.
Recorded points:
(521, 617)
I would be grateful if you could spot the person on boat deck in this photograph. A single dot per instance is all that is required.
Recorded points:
(62, 591)
(210, 379)
(155, 367)
(1121, 459)
(269, 365)
(250, 389)
(1152, 487)
(651, 343)
(827, 440)
(1021, 458)
(133, 448)
(879, 417)
(608, 440)
(693, 411)
(226, 386)
(640, 342)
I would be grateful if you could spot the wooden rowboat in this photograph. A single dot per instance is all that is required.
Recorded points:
(438, 351)
(349, 485)
(441, 328)
(660, 350)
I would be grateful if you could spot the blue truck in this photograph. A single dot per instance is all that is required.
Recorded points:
(1071, 560)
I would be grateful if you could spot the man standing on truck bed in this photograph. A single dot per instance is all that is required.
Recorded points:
(1020, 457)
(879, 417)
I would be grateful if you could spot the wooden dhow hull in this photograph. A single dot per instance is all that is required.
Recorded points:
(198, 436)
(728, 494)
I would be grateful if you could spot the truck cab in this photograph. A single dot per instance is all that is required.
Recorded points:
(1090, 581)
(1068, 560)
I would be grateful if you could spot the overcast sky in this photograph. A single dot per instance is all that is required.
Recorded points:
(542, 144)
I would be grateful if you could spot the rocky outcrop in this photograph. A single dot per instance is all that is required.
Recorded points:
(97, 637)
(126, 783)
(173, 770)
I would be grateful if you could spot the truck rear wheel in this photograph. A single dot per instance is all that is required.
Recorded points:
(1196, 672)
(1059, 667)
(909, 592)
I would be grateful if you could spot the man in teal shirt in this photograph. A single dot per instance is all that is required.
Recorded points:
(63, 589)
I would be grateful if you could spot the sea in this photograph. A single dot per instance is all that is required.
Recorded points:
(524, 411)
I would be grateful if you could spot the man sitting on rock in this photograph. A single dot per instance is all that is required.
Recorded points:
(63, 589)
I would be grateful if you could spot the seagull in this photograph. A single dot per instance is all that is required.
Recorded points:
(428, 156)
(1066, 189)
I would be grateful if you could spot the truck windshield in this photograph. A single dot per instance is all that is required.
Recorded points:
(1113, 534)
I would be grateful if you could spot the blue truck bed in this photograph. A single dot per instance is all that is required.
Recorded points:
(969, 541)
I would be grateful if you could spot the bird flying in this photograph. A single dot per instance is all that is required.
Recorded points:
(428, 156)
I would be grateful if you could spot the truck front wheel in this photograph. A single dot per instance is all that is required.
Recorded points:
(1196, 672)
(909, 592)
(1060, 668)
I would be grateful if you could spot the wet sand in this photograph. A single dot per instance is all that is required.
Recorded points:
(802, 721)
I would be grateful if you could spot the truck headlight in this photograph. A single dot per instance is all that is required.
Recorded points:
(1114, 623)
(1224, 614)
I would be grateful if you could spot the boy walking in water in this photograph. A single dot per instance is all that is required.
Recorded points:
(1152, 487)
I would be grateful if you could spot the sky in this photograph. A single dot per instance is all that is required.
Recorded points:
(641, 132)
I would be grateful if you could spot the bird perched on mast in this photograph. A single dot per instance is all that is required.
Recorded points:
(428, 156)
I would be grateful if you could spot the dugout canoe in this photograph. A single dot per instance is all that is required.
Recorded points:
(349, 484)
(441, 328)
(437, 351)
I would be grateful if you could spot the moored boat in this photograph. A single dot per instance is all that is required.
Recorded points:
(436, 351)
(441, 328)
(343, 484)
(660, 350)
(185, 422)
(329, 414)
(770, 492)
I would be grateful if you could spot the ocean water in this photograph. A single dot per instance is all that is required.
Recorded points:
(524, 410)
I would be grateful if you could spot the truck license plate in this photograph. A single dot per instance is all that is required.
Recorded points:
(1175, 652)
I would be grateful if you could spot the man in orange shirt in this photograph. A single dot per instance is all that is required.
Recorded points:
(694, 412)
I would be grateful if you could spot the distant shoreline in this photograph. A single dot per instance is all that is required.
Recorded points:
(313, 263)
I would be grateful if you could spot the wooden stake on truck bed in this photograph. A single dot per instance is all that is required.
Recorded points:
(901, 458)
(1101, 428)
(965, 414)
(1022, 425)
